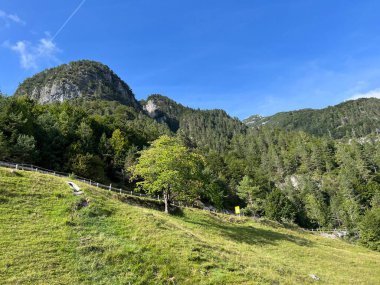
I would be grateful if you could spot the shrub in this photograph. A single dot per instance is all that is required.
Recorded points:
(370, 229)
(278, 207)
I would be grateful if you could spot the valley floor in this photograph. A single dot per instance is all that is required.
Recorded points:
(50, 236)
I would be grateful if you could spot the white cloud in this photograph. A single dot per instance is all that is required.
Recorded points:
(375, 93)
(32, 55)
(7, 19)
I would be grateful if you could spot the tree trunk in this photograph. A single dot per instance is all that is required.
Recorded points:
(166, 200)
(250, 200)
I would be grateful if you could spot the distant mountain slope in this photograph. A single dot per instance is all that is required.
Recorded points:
(164, 110)
(210, 129)
(354, 118)
(79, 79)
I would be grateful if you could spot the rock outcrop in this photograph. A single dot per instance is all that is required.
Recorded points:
(80, 79)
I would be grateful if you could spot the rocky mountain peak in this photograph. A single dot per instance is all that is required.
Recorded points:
(79, 79)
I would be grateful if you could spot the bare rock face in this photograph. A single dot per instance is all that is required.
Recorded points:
(80, 79)
(164, 110)
(57, 91)
(154, 112)
(151, 108)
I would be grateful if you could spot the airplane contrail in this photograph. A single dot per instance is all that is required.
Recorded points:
(68, 20)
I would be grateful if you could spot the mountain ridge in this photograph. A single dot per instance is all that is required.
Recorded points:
(91, 80)
(355, 118)
(206, 126)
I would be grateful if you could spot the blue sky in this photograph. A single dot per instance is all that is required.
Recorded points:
(247, 57)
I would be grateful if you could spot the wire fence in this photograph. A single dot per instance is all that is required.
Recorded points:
(327, 230)
(29, 167)
(33, 168)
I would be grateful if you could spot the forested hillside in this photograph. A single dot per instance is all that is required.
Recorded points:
(355, 118)
(321, 182)
(291, 171)
(206, 129)
(91, 138)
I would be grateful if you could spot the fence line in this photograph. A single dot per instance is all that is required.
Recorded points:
(321, 230)
(29, 167)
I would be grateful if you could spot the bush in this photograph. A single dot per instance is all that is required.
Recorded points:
(370, 229)
(90, 166)
(248, 211)
(278, 207)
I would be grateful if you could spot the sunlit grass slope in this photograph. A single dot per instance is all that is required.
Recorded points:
(50, 236)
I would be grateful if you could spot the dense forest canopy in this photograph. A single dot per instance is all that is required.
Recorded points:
(287, 169)
(208, 129)
(91, 138)
(354, 118)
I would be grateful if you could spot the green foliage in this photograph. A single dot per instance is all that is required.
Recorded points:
(4, 150)
(73, 135)
(370, 229)
(168, 111)
(251, 194)
(119, 145)
(89, 165)
(210, 130)
(60, 238)
(356, 118)
(330, 182)
(317, 210)
(169, 168)
(278, 207)
(25, 149)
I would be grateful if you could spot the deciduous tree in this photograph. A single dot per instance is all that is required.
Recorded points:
(169, 168)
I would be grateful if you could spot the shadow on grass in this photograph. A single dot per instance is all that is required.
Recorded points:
(248, 234)
(8, 193)
(237, 232)
(177, 211)
(11, 173)
(142, 202)
(150, 204)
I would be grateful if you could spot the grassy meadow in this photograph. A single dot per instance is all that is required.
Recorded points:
(50, 236)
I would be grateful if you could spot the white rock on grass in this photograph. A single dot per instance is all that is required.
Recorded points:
(314, 277)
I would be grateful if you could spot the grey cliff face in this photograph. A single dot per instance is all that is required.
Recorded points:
(57, 91)
(80, 79)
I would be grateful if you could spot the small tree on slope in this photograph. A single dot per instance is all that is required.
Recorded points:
(169, 168)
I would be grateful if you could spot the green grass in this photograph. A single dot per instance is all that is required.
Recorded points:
(48, 237)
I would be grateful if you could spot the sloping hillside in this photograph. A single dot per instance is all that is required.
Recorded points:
(207, 129)
(49, 236)
(355, 118)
